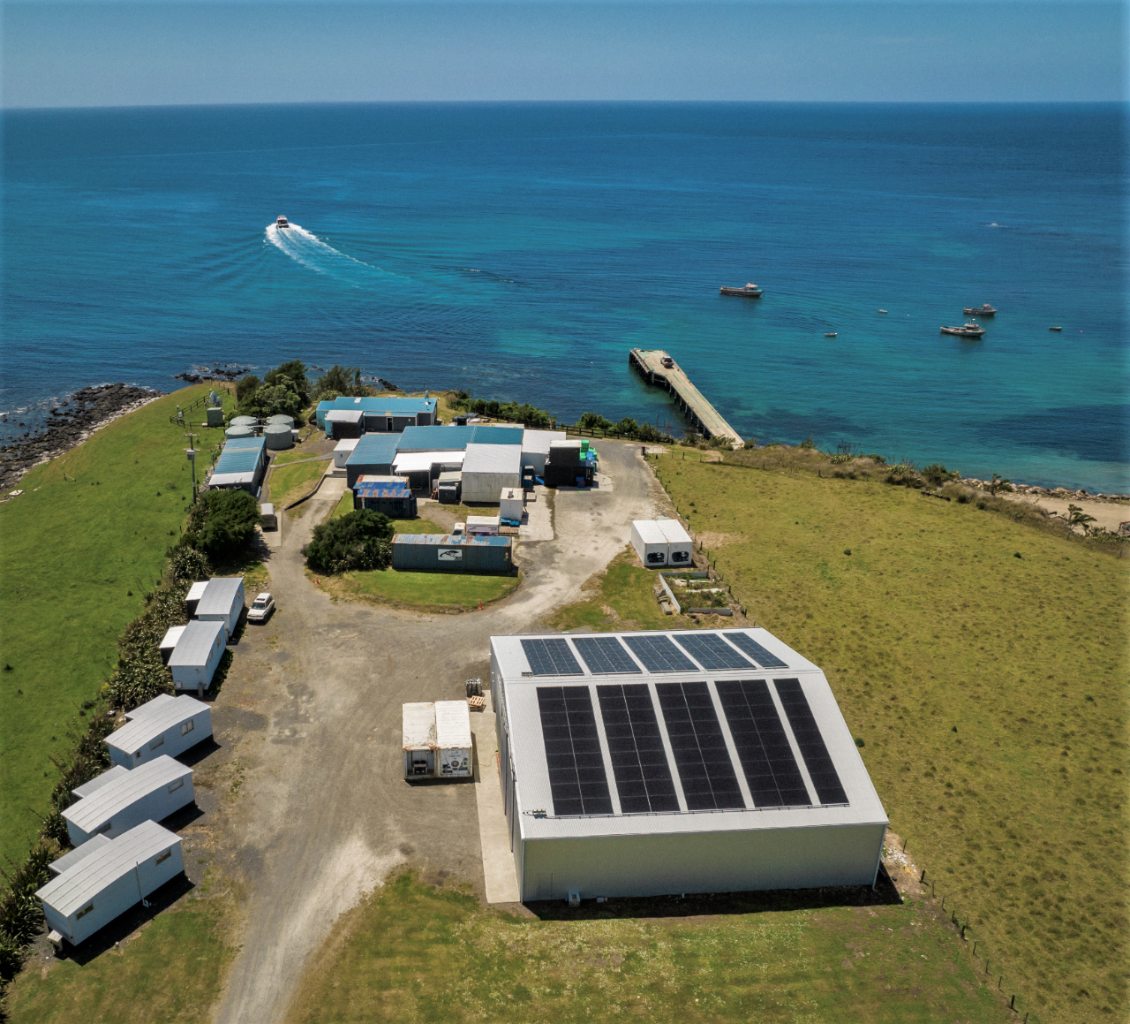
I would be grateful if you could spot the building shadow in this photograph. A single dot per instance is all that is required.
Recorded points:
(459, 780)
(194, 755)
(720, 903)
(122, 927)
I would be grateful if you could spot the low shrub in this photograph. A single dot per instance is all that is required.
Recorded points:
(356, 542)
(221, 523)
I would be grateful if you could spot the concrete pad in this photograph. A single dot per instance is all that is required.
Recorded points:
(333, 487)
(539, 520)
(494, 830)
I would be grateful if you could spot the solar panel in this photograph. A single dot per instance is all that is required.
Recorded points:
(605, 655)
(711, 651)
(763, 747)
(635, 744)
(660, 655)
(820, 767)
(572, 751)
(551, 658)
(745, 643)
(705, 769)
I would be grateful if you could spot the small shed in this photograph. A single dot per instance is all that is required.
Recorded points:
(169, 726)
(428, 552)
(153, 790)
(437, 740)
(97, 888)
(392, 498)
(222, 602)
(680, 547)
(342, 423)
(649, 542)
(512, 506)
(197, 654)
(489, 469)
(267, 516)
(483, 526)
(214, 416)
(169, 642)
(343, 449)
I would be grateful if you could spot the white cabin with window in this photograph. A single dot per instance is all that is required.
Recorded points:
(120, 799)
(90, 891)
(197, 655)
(165, 725)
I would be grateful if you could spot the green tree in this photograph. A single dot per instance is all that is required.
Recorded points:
(344, 380)
(938, 474)
(998, 483)
(295, 372)
(222, 522)
(246, 387)
(1077, 517)
(273, 399)
(594, 421)
(356, 542)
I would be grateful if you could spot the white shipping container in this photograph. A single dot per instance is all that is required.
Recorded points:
(483, 526)
(453, 737)
(343, 449)
(679, 545)
(419, 725)
(649, 542)
(512, 504)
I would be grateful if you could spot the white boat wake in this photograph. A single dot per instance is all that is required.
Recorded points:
(306, 248)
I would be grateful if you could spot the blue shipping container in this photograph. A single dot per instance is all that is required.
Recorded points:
(430, 552)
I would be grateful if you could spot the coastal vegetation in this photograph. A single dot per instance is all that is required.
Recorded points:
(355, 542)
(285, 390)
(221, 523)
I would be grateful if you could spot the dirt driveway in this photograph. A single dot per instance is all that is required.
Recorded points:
(308, 724)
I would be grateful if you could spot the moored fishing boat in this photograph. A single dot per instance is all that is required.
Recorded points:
(750, 291)
(969, 330)
(985, 310)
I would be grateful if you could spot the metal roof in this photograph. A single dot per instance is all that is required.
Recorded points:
(139, 731)
(520, 712)
(374, 450)
(344, 416)
(95, 784)
(196, 643)
(196, 591)
(150, 706)
(92, 875)
(221, 595)
(230, 479)
(387, 489)
(649, 531)
(383, 403)
(453, 723)
(419, 462)
(673, 531)
(239, 460)
(69, 860)
(451, 540)
(419, 721)
(492, 434)
(172, 635)
(234, 444)
(493, 458)
(347, 444)
(124, 790)
(433, 439)
(538, 441)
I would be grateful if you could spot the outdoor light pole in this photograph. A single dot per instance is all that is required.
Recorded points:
(191, 453)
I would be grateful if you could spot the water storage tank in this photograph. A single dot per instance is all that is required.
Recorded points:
(234, 431)
(278, 437)
(245, 421)
(281, 418)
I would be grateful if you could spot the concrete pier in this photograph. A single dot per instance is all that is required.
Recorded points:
(648, 363)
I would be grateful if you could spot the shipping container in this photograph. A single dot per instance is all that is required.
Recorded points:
(680, 547)
(482, 526)
(649, 542)
(343, 450)
(445, 553)
(437, 740)
(389, 497)
(512, 506)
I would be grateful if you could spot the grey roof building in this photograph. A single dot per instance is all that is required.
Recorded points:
(642, 764)
(197, 654)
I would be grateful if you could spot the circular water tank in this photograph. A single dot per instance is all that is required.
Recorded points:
(278, 437)
(234, 431)
(281, 418)
(244, 421)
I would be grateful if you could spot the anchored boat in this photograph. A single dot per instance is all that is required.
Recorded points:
(750, 291)
(969, 330)
(985, 310)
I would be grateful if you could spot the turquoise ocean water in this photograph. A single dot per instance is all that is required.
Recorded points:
(520, 251)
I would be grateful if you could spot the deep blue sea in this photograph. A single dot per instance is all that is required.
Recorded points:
(520, 251)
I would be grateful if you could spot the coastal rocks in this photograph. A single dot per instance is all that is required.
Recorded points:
(1036, 491)
(200, 373)
(68, 425)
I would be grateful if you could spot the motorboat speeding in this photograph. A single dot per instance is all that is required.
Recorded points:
(282, 222)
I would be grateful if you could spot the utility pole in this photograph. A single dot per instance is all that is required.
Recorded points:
(191, 453)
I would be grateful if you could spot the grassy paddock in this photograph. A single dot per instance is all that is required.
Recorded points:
(414, 953)
(422, 591)
(983, 663)
(78, 551)
(289, 482)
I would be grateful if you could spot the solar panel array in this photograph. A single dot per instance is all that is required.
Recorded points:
(660, 655)
(823, 772)
(705, 769)
(577, 780)
(763, 747)
(711, 651)
(551, 658)
(635, 745)
(605, 656)
(749, 646)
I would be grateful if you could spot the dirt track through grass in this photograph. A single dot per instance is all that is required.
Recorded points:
(989, 689)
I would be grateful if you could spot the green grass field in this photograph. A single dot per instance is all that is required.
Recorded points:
(415, 954)
(416, 525)
(78, 551)
(296, 455)
(288, 483)
(171, 970)
(984, 664)
(423, 591)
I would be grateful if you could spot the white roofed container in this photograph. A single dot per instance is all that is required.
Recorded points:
(153, 790)
(512, 505)
(419, 732)
(169, 726)
(97, 888)
(197, 654)
(650, 543)
(483, 526)
(453, 738)
(343, 449)
(680, 547)
(489, 469)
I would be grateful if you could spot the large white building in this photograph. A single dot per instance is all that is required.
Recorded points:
(643, 764)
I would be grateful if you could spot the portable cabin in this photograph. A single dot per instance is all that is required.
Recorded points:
(680, 547)
(197, 654)
(512, 506)
(159, 727)
(489, 469)
(341, 423)
(392, 498)
(535, 448)
(649, 542)
(373, 455)
(421, 468)
(69, 860)
(483, 526)
(222, 602)
(195, 593)
(153, 790)
(343, 449)
(667, 762)
(169, 642)
(437, 740)
(98, 888)
(426, 552)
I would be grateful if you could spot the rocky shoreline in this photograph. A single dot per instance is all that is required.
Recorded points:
(1044, 492)
(69, 424)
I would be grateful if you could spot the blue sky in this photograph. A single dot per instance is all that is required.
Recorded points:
(122, 54)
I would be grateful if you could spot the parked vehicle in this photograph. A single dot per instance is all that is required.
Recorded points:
(261, 608)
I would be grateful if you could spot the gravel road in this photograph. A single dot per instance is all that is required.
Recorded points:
(307, 809)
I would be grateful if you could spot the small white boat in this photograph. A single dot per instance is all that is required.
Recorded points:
(830, 334)
(882, 311)
(282, 222)
(1055, 328)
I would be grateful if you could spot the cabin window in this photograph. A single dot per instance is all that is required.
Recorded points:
(187, 727)
(162, 857)
(174, 786)
(85, 910)
(158, 742)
